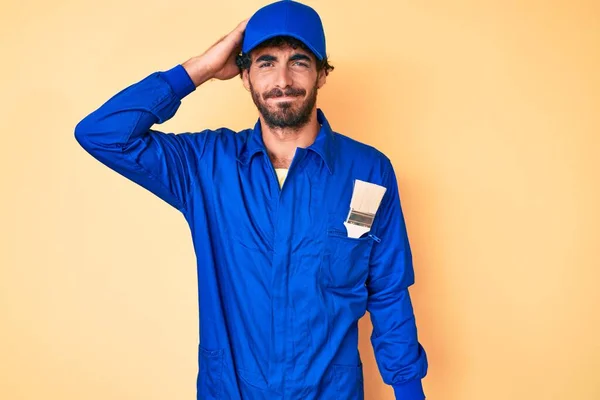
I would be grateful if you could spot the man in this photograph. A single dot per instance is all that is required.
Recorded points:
(298, 230)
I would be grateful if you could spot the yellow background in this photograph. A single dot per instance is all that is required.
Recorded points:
(489, 111)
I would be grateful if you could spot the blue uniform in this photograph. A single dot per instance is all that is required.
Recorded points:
(281, 286)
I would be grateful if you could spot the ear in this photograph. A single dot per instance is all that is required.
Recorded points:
(245, 79)
(321, 79)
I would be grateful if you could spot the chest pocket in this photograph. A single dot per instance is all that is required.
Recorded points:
(345, 262)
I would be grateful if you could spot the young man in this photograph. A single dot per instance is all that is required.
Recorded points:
(298, 230)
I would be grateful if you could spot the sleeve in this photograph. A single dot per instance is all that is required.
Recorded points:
(400, 357)
(119, 135)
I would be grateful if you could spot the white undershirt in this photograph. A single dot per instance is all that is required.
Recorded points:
(281, 175)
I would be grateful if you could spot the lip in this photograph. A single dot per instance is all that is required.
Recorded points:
(283, 98)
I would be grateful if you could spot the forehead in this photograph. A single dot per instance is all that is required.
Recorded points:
(283, 50)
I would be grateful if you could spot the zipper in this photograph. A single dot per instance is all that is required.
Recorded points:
(375, 238)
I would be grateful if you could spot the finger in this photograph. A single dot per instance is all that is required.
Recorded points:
(242, 25)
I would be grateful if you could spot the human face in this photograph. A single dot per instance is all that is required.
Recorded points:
(284, 82)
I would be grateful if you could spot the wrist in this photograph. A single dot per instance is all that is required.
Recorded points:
(198, 70)
(411, 390)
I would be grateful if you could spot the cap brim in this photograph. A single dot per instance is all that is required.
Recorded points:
(272, 35)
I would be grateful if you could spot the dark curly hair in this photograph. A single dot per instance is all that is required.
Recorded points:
(244, 60)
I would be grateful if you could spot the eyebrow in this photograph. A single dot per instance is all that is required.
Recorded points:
(266, 57)
(296, 56)
(299, 56)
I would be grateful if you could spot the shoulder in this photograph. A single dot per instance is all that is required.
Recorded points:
(350, 150)
(222, 134)
(222, 138)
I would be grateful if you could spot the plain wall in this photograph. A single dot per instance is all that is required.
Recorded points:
(489, 111)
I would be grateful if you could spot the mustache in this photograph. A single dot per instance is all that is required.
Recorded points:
(276, 92)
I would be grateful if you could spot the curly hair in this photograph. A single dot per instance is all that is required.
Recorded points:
(244, 60)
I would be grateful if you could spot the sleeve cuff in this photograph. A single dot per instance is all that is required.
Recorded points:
(179, 80)
(411, 390)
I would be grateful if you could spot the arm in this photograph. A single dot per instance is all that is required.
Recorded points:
(119, 133)
(400, 357)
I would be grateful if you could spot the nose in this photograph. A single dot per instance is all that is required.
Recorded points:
(284, 78)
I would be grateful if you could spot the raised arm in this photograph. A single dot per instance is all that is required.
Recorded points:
(119, 133)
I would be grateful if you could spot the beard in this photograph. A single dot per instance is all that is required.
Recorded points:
(284, 114)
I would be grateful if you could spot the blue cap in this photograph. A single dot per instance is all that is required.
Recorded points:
(289, 18)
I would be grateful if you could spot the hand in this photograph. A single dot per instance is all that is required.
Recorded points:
(219, 60)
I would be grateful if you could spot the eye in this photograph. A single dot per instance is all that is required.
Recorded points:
(302, 64)
(265, 64)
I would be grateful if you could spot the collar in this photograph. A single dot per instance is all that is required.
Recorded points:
(324, 144)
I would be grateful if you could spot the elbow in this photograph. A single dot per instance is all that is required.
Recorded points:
(92, 136)
(84, 131)
(81, 134)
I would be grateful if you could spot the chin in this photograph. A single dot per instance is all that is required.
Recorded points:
(284, 105)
